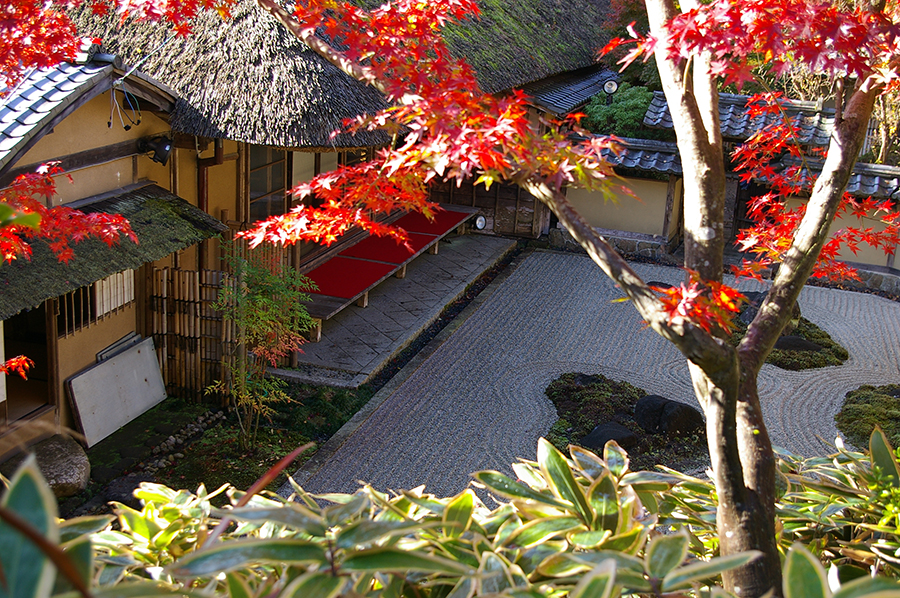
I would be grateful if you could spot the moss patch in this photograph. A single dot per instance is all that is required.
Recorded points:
(867, 406)
(831, 354)
(216, 458)
(315, 413)
(582, 402)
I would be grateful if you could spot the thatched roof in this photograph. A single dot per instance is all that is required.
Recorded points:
(249, 80)
(246, 79)
(163, 223)
(520, 41)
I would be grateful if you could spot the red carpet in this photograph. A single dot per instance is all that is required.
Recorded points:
(347, 277)
(443, 222)
(384, 249)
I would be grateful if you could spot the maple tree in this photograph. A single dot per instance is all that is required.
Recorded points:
(446, 128)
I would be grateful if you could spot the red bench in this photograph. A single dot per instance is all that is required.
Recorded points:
(360, 265)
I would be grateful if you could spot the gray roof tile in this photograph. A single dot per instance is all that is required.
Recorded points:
(564, 93)
(814, 123)
(39, 98)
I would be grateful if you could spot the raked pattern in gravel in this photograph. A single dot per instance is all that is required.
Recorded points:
(478, 401)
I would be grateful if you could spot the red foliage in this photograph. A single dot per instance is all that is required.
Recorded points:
(775, 222)
(448, 127)
(707, 304)
(33, 34)
(739, 34)
(59, 226)
(18, 365)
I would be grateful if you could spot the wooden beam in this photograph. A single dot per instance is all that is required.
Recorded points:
(91, 157)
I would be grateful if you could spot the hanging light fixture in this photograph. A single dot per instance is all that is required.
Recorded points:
(159, 149)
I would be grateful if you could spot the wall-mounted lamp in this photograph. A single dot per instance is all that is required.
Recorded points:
(610, 87)
(159, 149)
(480, 222)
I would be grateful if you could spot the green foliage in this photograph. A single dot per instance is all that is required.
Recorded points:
(582, 402)
(264, 298)
(867, 407)
(28, 572)
(845, 508)
(577, 525)
(624, 116)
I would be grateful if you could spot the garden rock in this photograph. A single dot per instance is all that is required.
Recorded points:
(659, 415)
(648, 412)
(796, 343)
(63, 463)
(605, 432)
(679, 419)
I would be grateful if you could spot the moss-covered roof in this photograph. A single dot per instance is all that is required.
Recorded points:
(163, 223)
(515, 43)
(248, 79)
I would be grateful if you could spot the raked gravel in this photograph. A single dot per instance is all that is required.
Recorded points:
(477, 401)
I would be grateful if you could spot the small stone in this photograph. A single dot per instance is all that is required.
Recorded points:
(179, 455)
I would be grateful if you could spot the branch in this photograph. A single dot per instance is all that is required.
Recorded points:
(694, 110)
(308, 36)
(812, 233)
(708, 352)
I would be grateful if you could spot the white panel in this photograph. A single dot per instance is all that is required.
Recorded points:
(304, 167)
(111, 393)
(114, 291)
(329, 162)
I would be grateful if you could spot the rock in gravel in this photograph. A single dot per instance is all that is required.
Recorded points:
(605, 432)
(659, 415)
(796, 343)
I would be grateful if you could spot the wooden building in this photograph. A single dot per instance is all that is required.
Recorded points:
(107, 126)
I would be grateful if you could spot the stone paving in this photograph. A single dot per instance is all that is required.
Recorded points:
(358, 341)
(474, 399)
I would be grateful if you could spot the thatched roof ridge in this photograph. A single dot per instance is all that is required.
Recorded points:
(519, 42)
(247, 79)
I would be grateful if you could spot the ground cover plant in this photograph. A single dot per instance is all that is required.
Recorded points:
(575, 524)
(868, 407)
(582, 402)
(313, 414)
(832, 353)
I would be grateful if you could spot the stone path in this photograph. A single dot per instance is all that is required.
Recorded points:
(476, 401)
(358, 341)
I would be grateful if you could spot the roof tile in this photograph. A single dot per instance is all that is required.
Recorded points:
(814, 123)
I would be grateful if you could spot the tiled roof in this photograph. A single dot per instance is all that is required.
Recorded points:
(564, 93)
(867, 180)
(814, 123)
(644, 154)
(873, 180)
(163, 223)
(42, 96)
